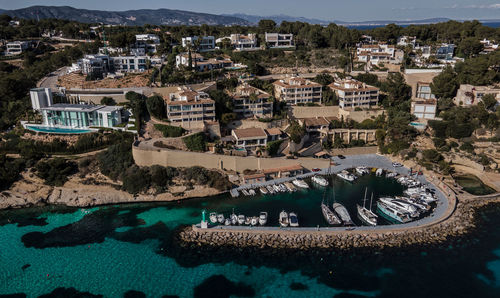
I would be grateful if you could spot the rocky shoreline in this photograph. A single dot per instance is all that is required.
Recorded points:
(460, 223)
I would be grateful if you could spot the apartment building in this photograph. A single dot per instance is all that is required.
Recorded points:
(445, 51)
(206, 43)
(189, 108)
(254, 137)
(471, 95)
(251, 102)
(95, 65)
(130, 63)
(424, 103)
(278, 40)
(16, 47)
(147, 42)
(376, 53)
(242, 42)
(407, 40)
(297, 90)
(198, 62)
(352, 93)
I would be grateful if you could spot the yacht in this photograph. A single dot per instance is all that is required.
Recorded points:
(227, 222)
(415, 191)
(346, 176)
(234, 218)
(220, 218)
(283, 187)
(379, 172)
(245, 192)
(241, 219)
(248, 220)
(263, 190)
(294, 221)
(421, 205)
(284, 219)
(391, 213)
(263, 218)
(391, 174)
(319, 180)
(254, 220)
(270, 189)
(213, 217)
(329, 215)
(343, 214)
(362, 171)
(401, 206)
(300, 183)
(367, 215)
(251, 192)
(276, 188)
(290, 186)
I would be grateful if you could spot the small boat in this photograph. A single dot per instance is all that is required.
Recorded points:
(362, 171)
(241, 219)
(254, 221)
(263, 218)
(391, 174)
(415, 191)
(213, 217)
(391, 213)
(245, 192)
(263, 190)
(234, 218)
(248, 220)
(220, 218)
(284, 219)
(401, 206)
(276, 188)
(270, 189)
(347, 176)
(251, 192)
(290, 186)
(294, 221)
(379, 172)
(300, 183)
(319, 180)
(366, 215)
(329, 215)
(421, 205)
(227, 222)
(283, 188)
(343, 214)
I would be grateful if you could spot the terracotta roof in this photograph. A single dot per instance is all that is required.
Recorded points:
(273, 131)
(254, 176)
(292, 82)
(283, 169)
(360, 86)
(320, 121)
(245, 90)
(250, 133)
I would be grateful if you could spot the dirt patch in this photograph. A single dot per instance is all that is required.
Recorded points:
(77, 80)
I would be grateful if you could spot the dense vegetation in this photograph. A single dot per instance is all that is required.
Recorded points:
(170, 131)
(55, 171)
(195, 142)
(9, 170)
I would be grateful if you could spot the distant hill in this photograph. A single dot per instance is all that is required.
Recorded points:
(129, 17)
(277, 18)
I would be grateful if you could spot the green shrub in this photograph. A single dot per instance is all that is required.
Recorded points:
(9, 171)
(273, 146)
(136, 179)
(116, 160)
(195, 142)
(55, 171)
(169, 131)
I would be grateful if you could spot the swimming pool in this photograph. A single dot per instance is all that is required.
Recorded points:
(418, 125)
(59, 130)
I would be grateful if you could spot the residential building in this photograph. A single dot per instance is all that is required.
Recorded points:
(198, 62)
(407, 40)
(249, 138)
(282, 172)
(147, 38)
(316, 124)
(81, 115)
(278, 40)
(295, 90)
(352, 93)
(207, 43)
(130, 63)
(16, 47)
(242, 42)
(40, 98)
(111, 50)
(471, 95)
(375, 54)
(95, 65)
(189, 108)
(275, 134)
(147, 42)
(251, 102)
(445, 51)
(424, 109)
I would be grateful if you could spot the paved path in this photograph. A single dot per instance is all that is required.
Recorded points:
(50, 81)
(445, 204)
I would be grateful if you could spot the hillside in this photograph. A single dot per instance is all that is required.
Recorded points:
(129, 17)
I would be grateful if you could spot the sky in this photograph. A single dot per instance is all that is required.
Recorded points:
(329, 10)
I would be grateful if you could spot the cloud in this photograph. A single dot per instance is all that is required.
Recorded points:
(475, 6)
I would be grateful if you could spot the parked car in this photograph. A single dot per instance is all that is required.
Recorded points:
(316, 169)
(341, 156)
(396, 164)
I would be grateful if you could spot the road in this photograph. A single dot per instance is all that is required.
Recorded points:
(50, 81)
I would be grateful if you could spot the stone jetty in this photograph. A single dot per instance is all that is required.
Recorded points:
(459, 223)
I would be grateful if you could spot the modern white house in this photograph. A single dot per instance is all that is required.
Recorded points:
(40, 98)
(242, 42)
(279, 40)
(147, 42)
(198, 62)
(130, 63)
(206, 43)
(16, 47)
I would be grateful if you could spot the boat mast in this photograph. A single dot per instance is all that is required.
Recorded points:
(364, 200)
(371, 202)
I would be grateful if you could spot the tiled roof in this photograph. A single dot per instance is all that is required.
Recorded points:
(250, 133)
(296, 167)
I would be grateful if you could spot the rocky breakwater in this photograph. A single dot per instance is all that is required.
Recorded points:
(461, 222)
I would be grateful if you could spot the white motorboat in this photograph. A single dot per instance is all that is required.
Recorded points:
(245, 192)
(343, 214)
(270, 189)
(276, 188)
(283, 188)
(263, 190)
(362, 171)
(379, 172)
(213, 217)
(263, 218)
(220, 218)
(420, 205)
(283, 219)
(254, 221)
(227, 222)
(415, 191)
(391, 174)
(248, 220)
(346, 176)
(392, 213)
(401, 206)
(234, 218)
(251, 192)
(319, 180)
(241, 219)
(300, 183)
(294, 220)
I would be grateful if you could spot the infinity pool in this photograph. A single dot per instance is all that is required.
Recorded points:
(47, 129)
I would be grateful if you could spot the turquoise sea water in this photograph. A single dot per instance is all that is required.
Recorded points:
(112, 250)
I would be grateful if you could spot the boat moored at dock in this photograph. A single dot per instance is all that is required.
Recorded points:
(347, 176)
(329, 215)
(392, 214)
(343, 214)
(319, 180)
(294, 220)
(300, 183)
(283, 220)
(263, 218)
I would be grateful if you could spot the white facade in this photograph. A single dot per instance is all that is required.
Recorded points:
(40, 98)
(424, 109)
(130, 63)
(16, 47)
(278, 40)
(207, 43)
(242, 42)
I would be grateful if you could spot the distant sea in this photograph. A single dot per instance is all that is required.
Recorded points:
(369, 27)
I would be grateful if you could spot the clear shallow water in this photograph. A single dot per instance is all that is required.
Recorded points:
(113, 249)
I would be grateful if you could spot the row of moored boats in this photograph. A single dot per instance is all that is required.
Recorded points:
(233, 219)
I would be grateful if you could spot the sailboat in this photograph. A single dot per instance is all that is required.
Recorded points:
(342, 212)
(366, 215)
(328, 214)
